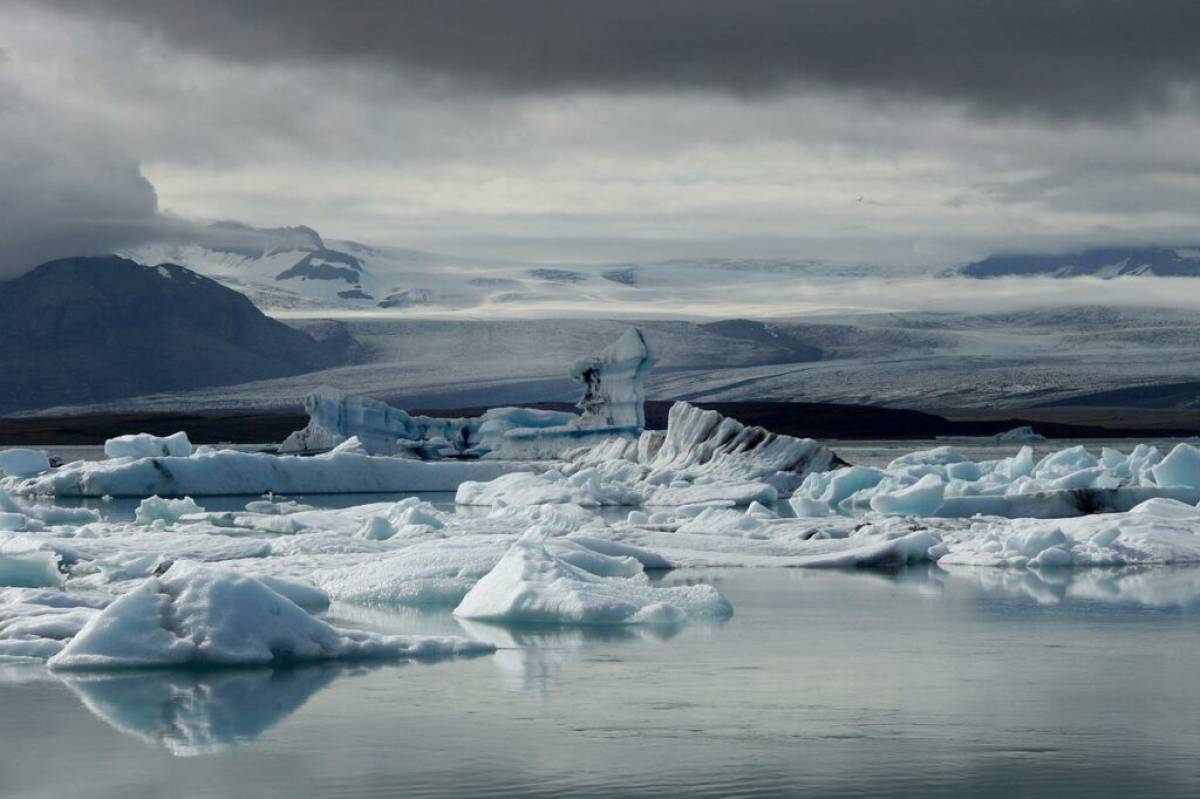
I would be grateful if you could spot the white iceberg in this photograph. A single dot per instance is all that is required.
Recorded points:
(144, 445)
(1019, 435)
(193, 615)
(701, 458)
(611, 405)
(941, 482)
(23, 462)
(534, 584)
(232, 473)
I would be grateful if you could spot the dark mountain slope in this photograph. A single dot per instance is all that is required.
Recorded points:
(82, 330)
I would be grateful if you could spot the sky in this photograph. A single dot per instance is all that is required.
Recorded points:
(919, 133)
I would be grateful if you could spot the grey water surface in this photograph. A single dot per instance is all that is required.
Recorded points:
(824, 683)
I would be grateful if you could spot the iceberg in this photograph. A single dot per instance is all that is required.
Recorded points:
(227, 472)
(1019, 435)
(612, 405)
(23, 462)
(613, 395)
(144, 445)
(701, 458)
(194, 615)
(941, 482)
(534, 584)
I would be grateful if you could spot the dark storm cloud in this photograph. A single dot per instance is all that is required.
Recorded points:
(1049, 57)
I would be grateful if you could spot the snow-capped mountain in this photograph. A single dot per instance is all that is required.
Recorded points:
(1105, 262)
(295, 269)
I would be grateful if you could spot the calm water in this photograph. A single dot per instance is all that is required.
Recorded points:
(924, 683)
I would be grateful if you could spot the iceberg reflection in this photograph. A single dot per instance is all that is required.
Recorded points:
(193, 713)
(531, 657)
(1152, 587)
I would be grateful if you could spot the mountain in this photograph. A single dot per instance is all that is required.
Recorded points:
(1105, 262)
(94, 329)
(296, 269)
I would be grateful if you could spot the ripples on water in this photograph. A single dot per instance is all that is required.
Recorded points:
(919, 683)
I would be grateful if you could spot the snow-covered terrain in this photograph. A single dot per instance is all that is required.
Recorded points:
(1149, 357)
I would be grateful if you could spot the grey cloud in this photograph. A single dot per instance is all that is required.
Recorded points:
(1099, 58)
(67, 200)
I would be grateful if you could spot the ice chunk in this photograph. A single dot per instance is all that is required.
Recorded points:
(144, 445)
(922, 498)
(1018, 435)
(703, 458)
(23, 462)
(613, 394)
(532, 584)
(612, 406)
(194, 615)
(1180, 468)
(24, 566)
(231, 472)
(169, 511)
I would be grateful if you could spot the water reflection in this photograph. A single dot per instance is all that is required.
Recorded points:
(1149, 587)
(531, 658)
(200, 712)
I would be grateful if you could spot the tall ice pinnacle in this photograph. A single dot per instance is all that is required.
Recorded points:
(613, 395)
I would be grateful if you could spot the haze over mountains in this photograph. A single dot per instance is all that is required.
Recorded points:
(295, 271)
(427, 329)
(1104, 262)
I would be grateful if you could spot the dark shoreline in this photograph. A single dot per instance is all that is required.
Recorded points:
(815, 420)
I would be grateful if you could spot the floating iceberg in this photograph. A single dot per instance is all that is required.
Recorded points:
(1018, 435)
(533, 583)
(144, 445)
(232, 473)
(702, 457)
(193, 615)
(613, 395)
(23, 462)
(335, 417)
(942, 482)
(611, 405)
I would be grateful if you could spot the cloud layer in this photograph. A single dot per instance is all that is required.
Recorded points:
(1053, 57)
(920, 133)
